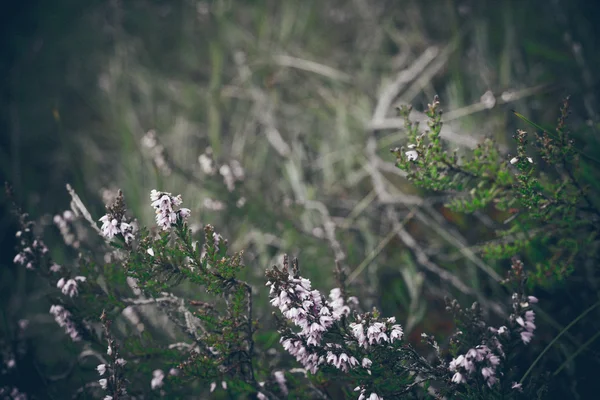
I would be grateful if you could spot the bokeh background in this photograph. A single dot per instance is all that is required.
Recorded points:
(301, 97)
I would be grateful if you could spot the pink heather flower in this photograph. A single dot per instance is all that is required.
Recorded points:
(458, 378)
(166, 206)
(376, 334)
(109, 226)
(103, 383)
(456, 362)
(530, 316)
(473, 354)
(213, 386)
(359, 333)
(55, 267)
(396, 333)
(184, 213)
(493, 359)
(469, 366)
(101, 369)
(526, 336)
(20, 259)
(112, 227)
(157, 379)
(63, 319)
(121, 361)
(532, 299)
(366, 363)
(487, 372)
(517, 386)
(69, 287)
(491, 381)
(40, 246)
(336, 302)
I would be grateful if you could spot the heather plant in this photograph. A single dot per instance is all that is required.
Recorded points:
(542, 193)
(206, 342)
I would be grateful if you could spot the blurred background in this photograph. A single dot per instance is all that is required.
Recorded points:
(274, 120)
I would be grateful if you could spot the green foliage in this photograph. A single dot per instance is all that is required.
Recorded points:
(548, 212)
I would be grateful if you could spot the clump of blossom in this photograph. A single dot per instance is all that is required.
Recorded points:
(363, 394)
(337, 303)
(69, 287)
(376, 332)
(478, 360)
(167, 209)
(31, 251)
(63, 319)
(527, 323)
(308, 310)
(482, 361)
(111, 372)
(114, 222)
(305, 308)
(157, 379)
(13, 394)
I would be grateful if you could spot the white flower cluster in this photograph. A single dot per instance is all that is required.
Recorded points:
(337, 304)
(102, 368)
(376, 332)
(477, 360)
(363, 394)
(157, 379)
(527, 324)
(308, 310)
(13, 394)
(112, 226)
(63, 319)
(69, 287)
(484, 358)
(166, 206)
(28, 255)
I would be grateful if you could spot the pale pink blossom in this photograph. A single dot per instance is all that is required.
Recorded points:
(157, 379)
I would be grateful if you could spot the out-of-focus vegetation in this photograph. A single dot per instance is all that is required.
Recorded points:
(301, 95)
